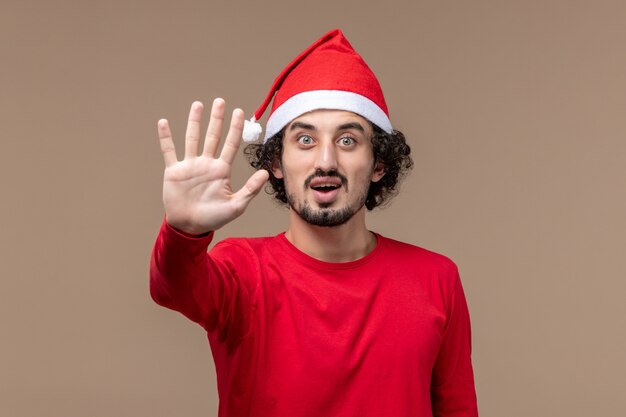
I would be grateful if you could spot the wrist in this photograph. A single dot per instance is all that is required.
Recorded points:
(192, 235)
(187, 230)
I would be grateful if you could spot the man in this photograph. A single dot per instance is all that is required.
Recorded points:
(328, 318)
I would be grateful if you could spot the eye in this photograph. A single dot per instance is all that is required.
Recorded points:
(305, 140)
(346, 141)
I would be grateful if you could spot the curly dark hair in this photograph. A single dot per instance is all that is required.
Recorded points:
(390, 149)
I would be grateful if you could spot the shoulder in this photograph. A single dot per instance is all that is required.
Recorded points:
(417, 257)
(431, 267)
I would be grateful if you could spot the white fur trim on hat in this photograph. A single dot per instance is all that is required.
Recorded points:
(325, 99)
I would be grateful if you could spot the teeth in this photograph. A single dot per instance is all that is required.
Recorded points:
(325, 186)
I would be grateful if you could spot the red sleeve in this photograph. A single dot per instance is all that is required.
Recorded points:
(206, 289)
(452, 388)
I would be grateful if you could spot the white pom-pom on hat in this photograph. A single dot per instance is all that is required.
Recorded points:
(251, 131)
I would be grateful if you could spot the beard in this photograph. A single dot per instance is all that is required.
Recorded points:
(324, 216)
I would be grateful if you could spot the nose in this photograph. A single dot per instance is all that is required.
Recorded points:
(326, 158)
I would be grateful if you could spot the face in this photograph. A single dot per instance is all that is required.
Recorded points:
(327, 166)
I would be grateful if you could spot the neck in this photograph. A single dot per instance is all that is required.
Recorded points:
(345, 243)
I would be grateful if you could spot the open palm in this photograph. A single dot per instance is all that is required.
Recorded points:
(197, 192)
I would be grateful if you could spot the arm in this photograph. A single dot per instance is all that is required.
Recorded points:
(452, 387)
(204, 287)
(198, 200)
(179, 273)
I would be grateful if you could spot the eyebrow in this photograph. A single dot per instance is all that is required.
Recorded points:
(345, 126)
(300, 125)
(352, 125)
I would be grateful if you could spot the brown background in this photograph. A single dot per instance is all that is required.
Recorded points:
(516, 114)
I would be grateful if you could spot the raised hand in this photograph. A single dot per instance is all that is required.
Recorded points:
(197, 193)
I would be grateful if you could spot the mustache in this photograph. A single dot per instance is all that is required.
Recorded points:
(321, 173)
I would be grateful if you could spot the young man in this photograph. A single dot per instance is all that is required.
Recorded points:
(328, 318)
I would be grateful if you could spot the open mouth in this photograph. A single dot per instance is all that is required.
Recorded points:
(325, 188)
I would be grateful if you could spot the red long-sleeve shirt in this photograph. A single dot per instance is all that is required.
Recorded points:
(385, 335)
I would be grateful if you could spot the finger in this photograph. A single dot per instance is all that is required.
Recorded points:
(233, 138)
(214, 131)
(192, 136)
(252, 187)
(167, 144)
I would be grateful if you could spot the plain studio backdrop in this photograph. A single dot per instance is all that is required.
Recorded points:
(515, 111)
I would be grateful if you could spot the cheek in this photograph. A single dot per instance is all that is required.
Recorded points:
(292, 162)
(363, 171)
(290, 172)
(297, 160)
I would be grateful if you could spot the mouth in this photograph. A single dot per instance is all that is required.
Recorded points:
(325, 189)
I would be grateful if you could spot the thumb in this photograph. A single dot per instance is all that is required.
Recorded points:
(251, 188)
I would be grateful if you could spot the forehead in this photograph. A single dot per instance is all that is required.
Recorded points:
(330, 119)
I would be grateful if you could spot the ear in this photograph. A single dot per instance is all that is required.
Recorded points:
(379, 172)
(277, 169)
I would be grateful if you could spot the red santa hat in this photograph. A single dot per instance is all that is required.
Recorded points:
(329, 74)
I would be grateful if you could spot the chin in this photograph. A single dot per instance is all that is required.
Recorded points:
(324, 216)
